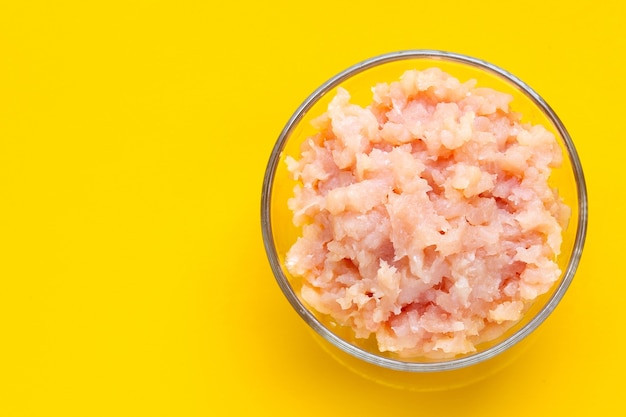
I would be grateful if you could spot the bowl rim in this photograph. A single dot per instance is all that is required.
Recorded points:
(370, 357)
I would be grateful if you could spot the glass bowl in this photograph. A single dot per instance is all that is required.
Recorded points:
(279, 232)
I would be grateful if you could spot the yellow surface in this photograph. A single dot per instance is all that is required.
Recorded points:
(133, 141)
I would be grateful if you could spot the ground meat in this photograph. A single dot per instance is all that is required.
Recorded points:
(427, 219)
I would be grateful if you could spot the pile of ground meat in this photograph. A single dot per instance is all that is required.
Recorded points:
(427, 219)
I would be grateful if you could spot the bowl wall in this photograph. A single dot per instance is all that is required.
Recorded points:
(280, 233)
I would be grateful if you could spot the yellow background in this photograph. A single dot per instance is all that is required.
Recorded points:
(133, 141)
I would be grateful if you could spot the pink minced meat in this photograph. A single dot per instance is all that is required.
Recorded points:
(427, 219)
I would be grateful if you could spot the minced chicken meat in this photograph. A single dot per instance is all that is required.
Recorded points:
(427, 219)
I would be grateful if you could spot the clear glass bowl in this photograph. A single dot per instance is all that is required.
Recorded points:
(279, 233)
